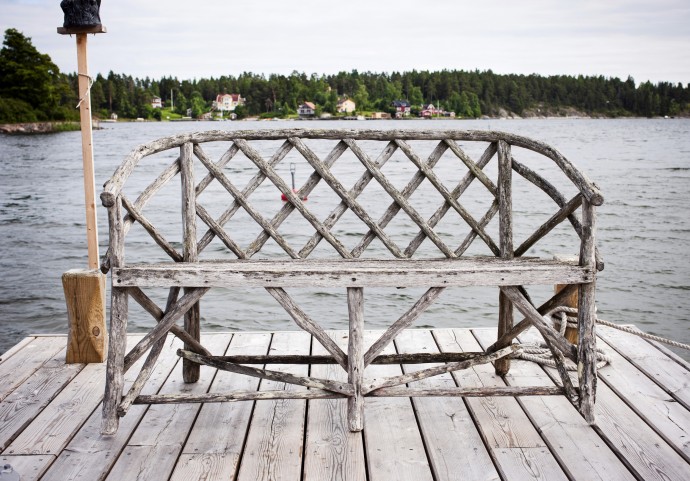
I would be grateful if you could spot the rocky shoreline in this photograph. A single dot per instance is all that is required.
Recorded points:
(42, 127)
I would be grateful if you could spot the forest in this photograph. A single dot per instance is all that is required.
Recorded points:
(33, 89)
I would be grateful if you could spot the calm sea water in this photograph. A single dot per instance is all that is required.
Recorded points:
(642, 167)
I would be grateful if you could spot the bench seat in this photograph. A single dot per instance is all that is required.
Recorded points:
(464, 271)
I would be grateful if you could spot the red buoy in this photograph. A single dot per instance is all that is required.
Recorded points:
(293, 168)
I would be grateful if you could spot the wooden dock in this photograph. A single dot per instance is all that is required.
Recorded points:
(50, 420)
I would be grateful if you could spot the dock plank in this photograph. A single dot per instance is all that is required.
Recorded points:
(29, 468)
(15, 349)
(274, 446)
(215, 443)
(53, 428)
(649, 401)
(640, 433)
(452, 440)
(501, 419)
(153, 449)
(331, 451)
(532, 464)
(76, 461)
(391, 431)
(514, 443)
(22, 406)
(638, 445)
(579, 449)
(14, 370)
(666, 372)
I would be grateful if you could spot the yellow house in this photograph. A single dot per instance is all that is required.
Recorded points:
(345, 105)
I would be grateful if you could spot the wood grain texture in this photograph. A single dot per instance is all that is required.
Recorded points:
(30, 468)
(76, 461)
(451, 438)
(20, 408)
(645, 453)
(633, 440)
(501, 421)
(355, 358)
(465, 271)
(56, 424)
(216, 441)
(579, 448)
(391, 432)
(16, 369)
(331, 451)
(505, 233)
(274, 444)
(586, 318)
(15, 349)
(85, 297)
(152, 450)
(649, 401)
(669, 375)
(190, 253)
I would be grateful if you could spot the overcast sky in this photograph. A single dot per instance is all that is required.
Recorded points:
(649, 40)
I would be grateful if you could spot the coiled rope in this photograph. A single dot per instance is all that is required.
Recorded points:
(560, 320)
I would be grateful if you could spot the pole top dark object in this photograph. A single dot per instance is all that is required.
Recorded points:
(81, 16)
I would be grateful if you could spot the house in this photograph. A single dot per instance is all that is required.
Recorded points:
(306, 110)
(429, 110)
(380, 115)
(156, 103)
(402, 108)
(227, 102)
(345, 105)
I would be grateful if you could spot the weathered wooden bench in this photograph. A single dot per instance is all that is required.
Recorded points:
(440, 251)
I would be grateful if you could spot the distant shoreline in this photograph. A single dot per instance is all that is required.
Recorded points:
(43, 127)
(32, 128)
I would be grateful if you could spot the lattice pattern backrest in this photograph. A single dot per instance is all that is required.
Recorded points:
(382, 191)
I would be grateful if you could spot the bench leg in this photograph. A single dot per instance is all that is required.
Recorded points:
(586, 351)
(116, 358)
(355, 358)
(505, 324)
(192, 324)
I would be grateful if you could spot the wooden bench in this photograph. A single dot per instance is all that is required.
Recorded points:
(436, 256)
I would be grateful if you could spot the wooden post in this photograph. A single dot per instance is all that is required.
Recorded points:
(192, 324)
(85, 290)
(87, 340)
(87, 151)
(586, 318)
(505, 214)
(355, 358)
(569, 301)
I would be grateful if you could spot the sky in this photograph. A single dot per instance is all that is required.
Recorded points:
(648, 40)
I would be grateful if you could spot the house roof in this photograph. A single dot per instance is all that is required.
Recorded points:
(401, 103)
(310, 105)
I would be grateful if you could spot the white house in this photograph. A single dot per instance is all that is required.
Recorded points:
(156, 103)
(307, 109)
(227, 102)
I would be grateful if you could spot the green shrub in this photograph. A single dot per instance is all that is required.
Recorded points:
(15, 111)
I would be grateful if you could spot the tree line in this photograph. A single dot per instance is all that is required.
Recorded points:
(33, 88)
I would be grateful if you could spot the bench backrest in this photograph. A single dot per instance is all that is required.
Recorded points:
(395, 193)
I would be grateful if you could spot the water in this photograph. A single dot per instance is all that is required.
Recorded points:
(642, 167)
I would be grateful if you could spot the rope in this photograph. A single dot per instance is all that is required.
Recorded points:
(572, 322)
(560, 320)
(88, 89)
